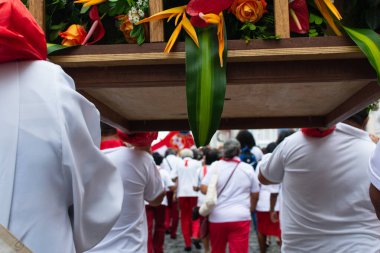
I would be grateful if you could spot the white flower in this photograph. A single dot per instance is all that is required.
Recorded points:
(141, 13)
(135, 19)
(133, 10)
(139, 2)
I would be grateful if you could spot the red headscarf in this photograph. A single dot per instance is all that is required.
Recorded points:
(20, 36)
(142, 139)
(317, 132)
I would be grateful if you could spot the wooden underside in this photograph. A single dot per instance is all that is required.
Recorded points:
(303, 82)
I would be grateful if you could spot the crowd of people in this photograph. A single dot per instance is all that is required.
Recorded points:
(70, 184)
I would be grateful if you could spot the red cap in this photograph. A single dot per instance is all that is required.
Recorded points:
(20, 36)
(142, 139)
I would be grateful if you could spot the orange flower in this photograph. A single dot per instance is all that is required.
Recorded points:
(125, 24)
(248, 10)
(73, 36)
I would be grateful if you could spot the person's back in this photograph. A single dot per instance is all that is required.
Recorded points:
(141, 181)
(325, 205)
(53, 147)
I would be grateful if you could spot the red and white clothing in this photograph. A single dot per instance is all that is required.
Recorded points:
(187, 197)
(325, 201)
(230, 219)
(201, 173)
(141, 181)
(156, 218)
(234, 202)
(170, 163)
(374, 167)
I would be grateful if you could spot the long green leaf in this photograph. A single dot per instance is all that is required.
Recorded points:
(205, 84)
(54, 47)
(369, 42)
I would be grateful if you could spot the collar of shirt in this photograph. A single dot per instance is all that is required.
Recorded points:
(350, 130)
(235, 159)
(111, 144)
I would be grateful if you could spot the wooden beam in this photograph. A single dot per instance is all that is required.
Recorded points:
(238, 73)
(354, 104)
(107, 114)
(231, 123)
(156, 28)
(281, 18)
(37, 8)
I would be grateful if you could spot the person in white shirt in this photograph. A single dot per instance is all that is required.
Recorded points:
(239, 190)
(374, 175)
(142, 181)
(210, 156)
(156, 214)
(170, 163)
(186, 175)
(49, 148)
(325, 203)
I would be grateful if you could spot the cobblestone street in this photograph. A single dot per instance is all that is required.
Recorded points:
(177, 245)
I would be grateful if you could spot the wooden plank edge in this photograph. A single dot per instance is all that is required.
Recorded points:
(278, 54)
(107, 114)
(367, 95)
(230, 123)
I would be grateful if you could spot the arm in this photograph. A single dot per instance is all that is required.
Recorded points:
(158, 200)
(254, 199)
(263, 180)
(374, 193)
(273, 213)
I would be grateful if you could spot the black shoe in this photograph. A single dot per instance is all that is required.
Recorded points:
(173, 237)
(167, 232)
(197, 243)
(188, 248)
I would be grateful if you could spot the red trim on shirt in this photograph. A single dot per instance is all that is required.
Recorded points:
(204, 170)
(236, 160)
(316, 132)
(111, 144)
(186, 163)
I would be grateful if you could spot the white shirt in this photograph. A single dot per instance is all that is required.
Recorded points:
(187, 175)
(142, 181)
(263, 204)
(374, 167)
(170, 163)
(56, 161)
(256, 151)
(166, 183)
(235, 201)
(325, 201)
(201, 173)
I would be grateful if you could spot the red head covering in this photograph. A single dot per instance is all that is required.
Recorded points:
(20, 36)
(138, 139)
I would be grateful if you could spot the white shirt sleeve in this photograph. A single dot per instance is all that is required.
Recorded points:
(168, 182)
(197, 182)
(255, 184)
(153, 186)
(97, 190)
(374, 167)
(274, 168)
(210, 172)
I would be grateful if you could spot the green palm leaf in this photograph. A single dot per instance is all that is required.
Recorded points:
(205, 84)
(369, 42)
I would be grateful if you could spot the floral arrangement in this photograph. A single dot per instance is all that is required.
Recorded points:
(207, 25)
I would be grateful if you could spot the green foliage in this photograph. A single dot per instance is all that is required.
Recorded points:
(362, 14)
(317, 25)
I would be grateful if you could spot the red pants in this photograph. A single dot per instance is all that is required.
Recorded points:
(171, 215)
(156, 238)
(190, 228)
(236, 234)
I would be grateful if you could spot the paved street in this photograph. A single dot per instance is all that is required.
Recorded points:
(177, 245)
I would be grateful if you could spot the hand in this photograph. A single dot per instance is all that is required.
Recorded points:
(374, 138)
(274, 216)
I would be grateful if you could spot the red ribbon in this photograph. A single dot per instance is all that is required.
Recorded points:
(236, 160)
(316, 132)
(142, 139)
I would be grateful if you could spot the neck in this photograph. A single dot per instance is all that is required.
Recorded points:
(110, 137)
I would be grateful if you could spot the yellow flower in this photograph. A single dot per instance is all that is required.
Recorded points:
(185, 23)
(324, 6)
(73, 36)
(89, 2)
(248, 10)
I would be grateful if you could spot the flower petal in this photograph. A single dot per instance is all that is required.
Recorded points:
(326, 14)
(190, 29)
(173, 38)
(333, 9)
(163, 14)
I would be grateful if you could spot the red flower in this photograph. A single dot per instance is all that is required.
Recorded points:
(205, 6)
(299, 16)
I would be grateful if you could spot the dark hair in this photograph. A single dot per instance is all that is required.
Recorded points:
(107, 130)
(271, 147)
(198, 155)
(157, 158)
(170, 151)
(360, 117)
(282, 135)
(246, 139)
(211, 155)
